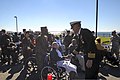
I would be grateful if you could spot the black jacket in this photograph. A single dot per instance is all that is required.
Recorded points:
(86, 42)
(54, 56)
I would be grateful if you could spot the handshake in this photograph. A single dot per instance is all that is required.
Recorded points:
(69, 56)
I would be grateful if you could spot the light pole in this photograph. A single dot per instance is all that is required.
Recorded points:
(16, 24)
(96, 16)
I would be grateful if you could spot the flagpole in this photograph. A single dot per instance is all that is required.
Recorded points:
(16, 24)
(96, 16)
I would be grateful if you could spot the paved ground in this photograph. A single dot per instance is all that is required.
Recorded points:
(17, 72)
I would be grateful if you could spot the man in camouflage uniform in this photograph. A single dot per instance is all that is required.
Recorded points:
(27, 46)
(41, 48)
(67, 40)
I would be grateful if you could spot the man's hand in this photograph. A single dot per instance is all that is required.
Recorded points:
(89, 63)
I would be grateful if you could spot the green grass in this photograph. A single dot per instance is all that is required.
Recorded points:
(105, 40)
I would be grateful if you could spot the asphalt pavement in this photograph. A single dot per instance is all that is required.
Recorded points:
(18, 72)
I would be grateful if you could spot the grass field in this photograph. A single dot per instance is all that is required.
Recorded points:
(105, 40)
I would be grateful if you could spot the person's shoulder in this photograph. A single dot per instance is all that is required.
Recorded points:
(23, 38)
(85, 29)
(71, 45)
(6, 35)
(52, 51)
(38, 37)
(118, 36)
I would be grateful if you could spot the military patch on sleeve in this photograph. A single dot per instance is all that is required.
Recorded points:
(91, 55)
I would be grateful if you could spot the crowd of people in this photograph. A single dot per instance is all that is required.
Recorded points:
(82, 44)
